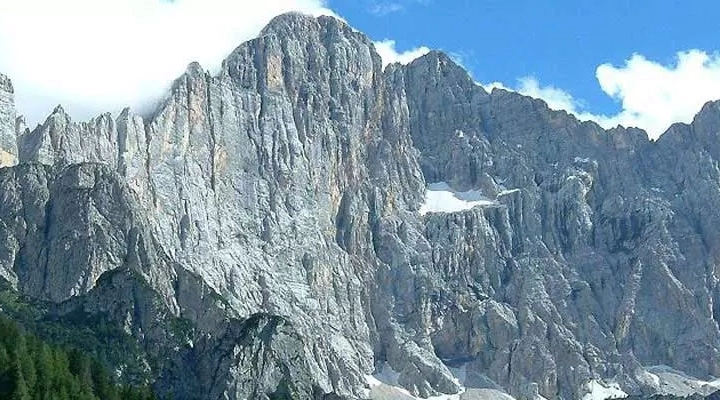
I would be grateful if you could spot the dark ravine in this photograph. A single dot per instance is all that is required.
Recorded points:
(260, 236)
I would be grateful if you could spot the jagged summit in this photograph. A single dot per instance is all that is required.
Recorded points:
(6, 84)
(59, 111)
(8, 145)
(286, 21)
(293, 23)
(441, 61)
(194, 68)
(708, 119)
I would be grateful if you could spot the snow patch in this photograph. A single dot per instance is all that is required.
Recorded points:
(507, 192)
(441, 198)
(460, 133)
(372, 381)
(668, 381)
(459, 374)
(581, 160)
(384, 386)
(386, 374)
(597, 390)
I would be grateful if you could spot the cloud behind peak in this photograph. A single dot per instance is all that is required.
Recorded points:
(94, 56)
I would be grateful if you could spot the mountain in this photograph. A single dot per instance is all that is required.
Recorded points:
(306, 224)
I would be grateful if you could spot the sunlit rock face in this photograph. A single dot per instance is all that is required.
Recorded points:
(8, 144)
(312, 221)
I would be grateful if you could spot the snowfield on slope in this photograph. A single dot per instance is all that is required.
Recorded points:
(384, 386)
(441, 198)
(668, 381)
(603, 391)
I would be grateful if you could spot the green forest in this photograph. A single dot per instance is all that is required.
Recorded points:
(31, 369)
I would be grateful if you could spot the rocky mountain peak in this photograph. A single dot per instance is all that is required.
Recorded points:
(440, 64)
(305, 224)
(703, 132)
(288, 22)
(194, 68)
(296, 24)
(6, 84)
(707, 122)
(8, 145)
(59, 112)
(295, 48)
(709, 108)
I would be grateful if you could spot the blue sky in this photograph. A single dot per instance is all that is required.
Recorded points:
(636, 63)
(560, 43)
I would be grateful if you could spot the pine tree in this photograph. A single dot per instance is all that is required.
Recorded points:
(31, 369)
(6, 378)
(44, 366)
(80, 367)
(27, 366)
(21, 391)
(104, 389)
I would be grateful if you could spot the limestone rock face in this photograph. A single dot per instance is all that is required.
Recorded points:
(8, 143)
(63, 230)
(272, 211)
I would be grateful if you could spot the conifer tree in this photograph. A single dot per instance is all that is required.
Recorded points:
(21, 391)
(31, 369)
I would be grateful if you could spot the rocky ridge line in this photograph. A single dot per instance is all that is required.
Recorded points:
(275, 207)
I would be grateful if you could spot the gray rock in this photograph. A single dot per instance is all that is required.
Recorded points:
(274, 208)
(8, 143)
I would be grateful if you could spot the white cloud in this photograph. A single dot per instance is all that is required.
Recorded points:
(494, 85)
(463, 59)
(102, 55)
(386, 49)
(556, 98)
(383, 9)
(652, 96)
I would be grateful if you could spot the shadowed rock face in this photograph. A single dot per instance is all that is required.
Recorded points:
(273, 209)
